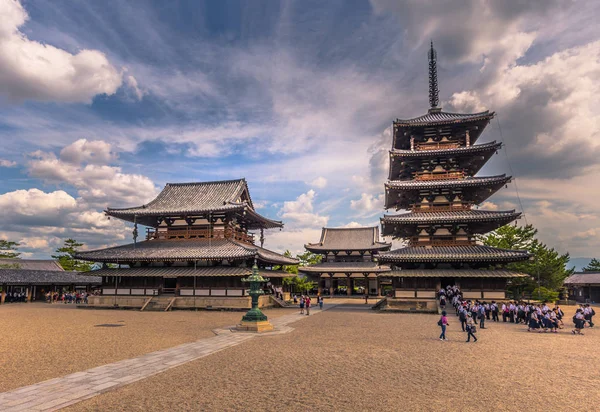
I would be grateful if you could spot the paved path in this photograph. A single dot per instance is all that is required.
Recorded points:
(58, 393)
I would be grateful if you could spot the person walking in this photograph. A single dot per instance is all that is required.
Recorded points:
(302, 301)
(494, 309)
(471, 328)
(443, 322)
(462, 316)
(579, 321)
(307, 304)
(481, 316)
(320, 300)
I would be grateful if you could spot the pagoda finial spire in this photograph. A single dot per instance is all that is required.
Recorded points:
(433, 82)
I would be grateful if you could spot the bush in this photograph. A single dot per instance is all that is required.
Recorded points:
(544, 294)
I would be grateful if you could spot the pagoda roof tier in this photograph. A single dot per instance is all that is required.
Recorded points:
(184, 250)
(480, 221)
(186, 271)
(455, 273)
(449, 254)
(436, 117)
(348, 239)
(198, 199)
(345, 267)
(403, 193)
(470, 158)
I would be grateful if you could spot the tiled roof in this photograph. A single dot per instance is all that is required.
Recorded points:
(466, 182)
(32, 264)
(456, 273)
(183, 250)
(345, 267)
(45, 277)
(465, 150)
(196, 198)
(435, 117)
(183, 271)
(584, 278)
(458, 216)
(466, 253)
(356, 238)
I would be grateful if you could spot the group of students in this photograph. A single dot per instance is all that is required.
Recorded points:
(13, 297)
(538, 317)
(67, 297)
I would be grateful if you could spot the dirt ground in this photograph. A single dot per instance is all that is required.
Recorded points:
(40, 341)
(353, 359)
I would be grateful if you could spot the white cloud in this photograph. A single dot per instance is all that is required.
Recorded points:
(320, 182)
(31, 205)
(353, 224)
(41, 221)
(81, 165)
(368, 203)
(84, 151)
(37, 71)
(299, 212)
(7, 163)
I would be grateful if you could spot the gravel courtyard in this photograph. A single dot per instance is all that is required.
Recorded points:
(349, 358)
(41, 341)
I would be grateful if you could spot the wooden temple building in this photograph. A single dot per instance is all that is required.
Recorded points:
(200, 242)
(34, 278)
(584, 287)
(349, 262)
(434, 163)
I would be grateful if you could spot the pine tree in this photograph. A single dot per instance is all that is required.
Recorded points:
(66, 259)
(548, 266)
(8, 250)
(593, 266)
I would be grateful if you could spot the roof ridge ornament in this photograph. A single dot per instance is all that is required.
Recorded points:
(433, 81)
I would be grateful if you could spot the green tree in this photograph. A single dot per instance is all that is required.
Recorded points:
(299, 284)
(291, 269)
(8, 250)
(309, 258)
(66, 259)
(593, 266)
(547, 266)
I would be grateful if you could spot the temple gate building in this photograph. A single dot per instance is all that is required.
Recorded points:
(349, 262)
(433, 165)
(200, 243)
(35, 278)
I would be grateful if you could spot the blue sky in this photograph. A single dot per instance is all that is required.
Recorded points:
(102, 103)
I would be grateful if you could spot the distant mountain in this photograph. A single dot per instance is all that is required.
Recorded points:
(579, 263)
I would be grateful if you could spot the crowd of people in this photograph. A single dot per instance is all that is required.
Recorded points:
(67, 297)
(13, 297)
(304, 301)
(536, 316)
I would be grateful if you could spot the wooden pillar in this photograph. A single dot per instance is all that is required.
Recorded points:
(3, 296)
(349, 285)
(367, 289)
(331, 286)
(28, 293)
(320, 287)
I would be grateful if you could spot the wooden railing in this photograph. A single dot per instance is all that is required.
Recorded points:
(437, 146)
(442, 208)
(440, 242)
(439, 176)
(195, 233)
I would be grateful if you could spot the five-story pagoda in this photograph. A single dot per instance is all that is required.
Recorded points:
(433, 163)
